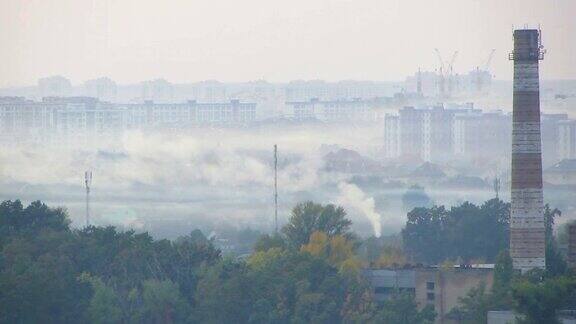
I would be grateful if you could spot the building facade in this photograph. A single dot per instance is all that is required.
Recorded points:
(84, 116)
(434, 287)
(355, 110)
(567, 139)
(391, 136)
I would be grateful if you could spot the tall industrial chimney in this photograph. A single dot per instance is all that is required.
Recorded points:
(527, 228)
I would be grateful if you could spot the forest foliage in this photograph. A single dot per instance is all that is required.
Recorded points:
(310, 272)
(51, 273)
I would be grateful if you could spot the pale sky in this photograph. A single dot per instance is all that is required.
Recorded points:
(240, 40)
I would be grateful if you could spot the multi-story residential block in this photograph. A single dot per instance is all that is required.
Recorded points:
(438, 134)
(422, 134)
(567, 139)
(80, 116)
(103, 88)
(25, 118)
(550, 133)
(478, 135)
(412, 138)
(391, 136)
(355, 110)
(157, 90)
(328, 91)
(54, 86)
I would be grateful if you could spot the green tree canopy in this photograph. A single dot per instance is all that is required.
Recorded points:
(539, 301)
(308, 217)
(466, 232)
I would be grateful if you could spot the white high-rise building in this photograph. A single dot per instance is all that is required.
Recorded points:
(567, 139)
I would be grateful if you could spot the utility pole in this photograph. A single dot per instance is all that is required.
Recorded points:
(275, 189)
(88, 183)
(497, 186)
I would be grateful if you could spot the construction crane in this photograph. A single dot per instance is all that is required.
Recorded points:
(440, 80)
(489, 60)
(485, 69)
(445, 73)
(451, 74)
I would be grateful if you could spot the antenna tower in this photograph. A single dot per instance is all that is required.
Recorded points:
(275, 188)
(88, 183)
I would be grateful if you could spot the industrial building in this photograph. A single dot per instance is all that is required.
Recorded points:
(434, 286)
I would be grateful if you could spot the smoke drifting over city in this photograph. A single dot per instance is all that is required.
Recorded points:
(302, 161)
(164, 164)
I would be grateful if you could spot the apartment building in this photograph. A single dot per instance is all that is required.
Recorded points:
(334, 111)
(71, 116)
(436, 134)
(567, 139)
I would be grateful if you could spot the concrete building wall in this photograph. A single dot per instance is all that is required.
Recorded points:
(443, 288)
(437, 287)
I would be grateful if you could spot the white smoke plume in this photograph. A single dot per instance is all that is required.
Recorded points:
(205, 175)
(353, 197)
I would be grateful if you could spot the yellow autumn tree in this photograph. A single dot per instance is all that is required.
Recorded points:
(317, 245)
(336, 250)
(391, 256)
(261, 260)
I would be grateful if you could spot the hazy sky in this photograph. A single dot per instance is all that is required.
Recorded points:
(236, 40)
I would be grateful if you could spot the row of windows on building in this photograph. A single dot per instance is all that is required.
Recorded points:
(336, 111)
(437, 134)
(20, 116)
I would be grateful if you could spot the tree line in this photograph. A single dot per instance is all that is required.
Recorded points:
(309, 272)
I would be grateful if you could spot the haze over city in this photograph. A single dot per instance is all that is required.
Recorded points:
(403, 162)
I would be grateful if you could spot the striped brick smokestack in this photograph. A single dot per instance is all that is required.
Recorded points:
(527, 228)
